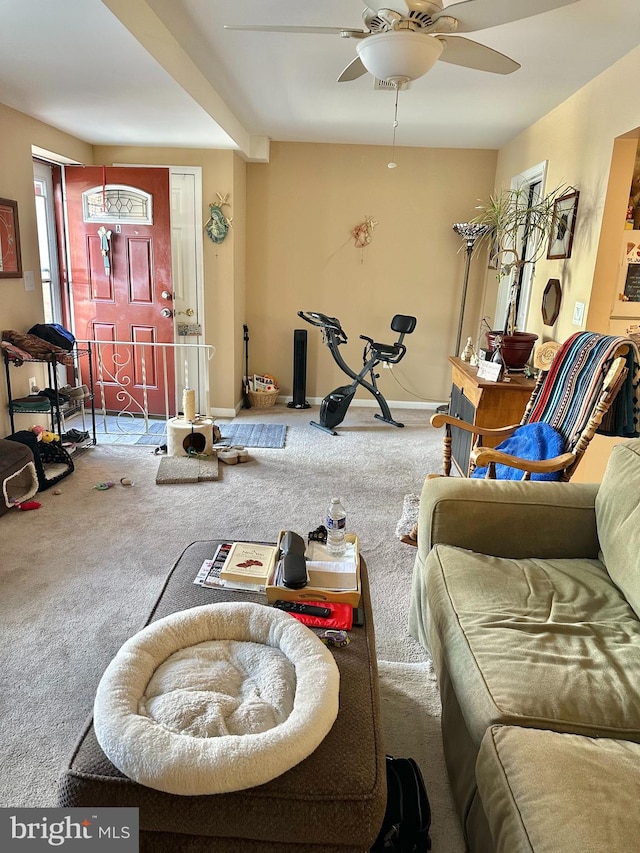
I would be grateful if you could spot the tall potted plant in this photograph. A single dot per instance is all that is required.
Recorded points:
(520, 225)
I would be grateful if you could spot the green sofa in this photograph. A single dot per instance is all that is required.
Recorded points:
(527, 596)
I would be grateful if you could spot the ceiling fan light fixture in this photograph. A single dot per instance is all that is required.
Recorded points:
(399, 55)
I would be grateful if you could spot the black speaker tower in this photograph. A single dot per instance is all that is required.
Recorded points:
(299, 370)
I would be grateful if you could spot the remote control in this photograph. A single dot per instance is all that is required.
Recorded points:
(305, 609)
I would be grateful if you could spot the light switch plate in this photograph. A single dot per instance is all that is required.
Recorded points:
(29, 281)
(578, 313)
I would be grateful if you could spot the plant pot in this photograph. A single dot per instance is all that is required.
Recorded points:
(515, 349)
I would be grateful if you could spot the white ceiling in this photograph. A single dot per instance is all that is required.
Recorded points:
(166, 72)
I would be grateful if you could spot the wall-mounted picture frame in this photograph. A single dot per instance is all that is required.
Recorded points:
(10, 256)
(563, 226)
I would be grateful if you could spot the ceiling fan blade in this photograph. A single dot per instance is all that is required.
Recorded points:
(327, 30)
(471, 54)
(399, 6)
(353, 70)
(473, 15)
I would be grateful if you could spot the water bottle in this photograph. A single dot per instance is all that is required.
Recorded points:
(336, 526)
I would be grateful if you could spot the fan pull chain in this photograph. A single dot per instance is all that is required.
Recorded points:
(393, 164)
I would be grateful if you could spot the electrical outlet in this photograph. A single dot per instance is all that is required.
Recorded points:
(387, 365)
(33, 385)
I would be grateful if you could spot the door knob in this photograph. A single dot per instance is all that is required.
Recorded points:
(166, 312)
(189, 312)
(166, 294)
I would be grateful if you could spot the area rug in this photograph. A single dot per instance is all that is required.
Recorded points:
(184, 469)
(157, 434)
(254, 435)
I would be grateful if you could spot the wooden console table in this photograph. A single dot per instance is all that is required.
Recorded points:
(483, 403)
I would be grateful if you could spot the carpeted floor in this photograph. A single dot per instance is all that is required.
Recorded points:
(79, 576)
(410, 706)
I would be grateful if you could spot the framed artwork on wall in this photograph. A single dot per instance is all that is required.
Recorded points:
(563, 225)
(10, 258)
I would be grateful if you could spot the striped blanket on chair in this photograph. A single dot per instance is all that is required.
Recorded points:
(576, 379)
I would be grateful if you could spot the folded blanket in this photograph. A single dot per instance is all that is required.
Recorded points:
(37, 347)
(32, 403)
(575, 380)
(536, 441)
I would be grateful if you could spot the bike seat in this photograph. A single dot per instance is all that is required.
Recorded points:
(387, 352)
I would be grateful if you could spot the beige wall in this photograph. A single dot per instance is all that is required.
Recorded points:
(20, 309)
(302, 207)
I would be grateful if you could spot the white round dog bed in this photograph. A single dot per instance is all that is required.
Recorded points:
(216, 699)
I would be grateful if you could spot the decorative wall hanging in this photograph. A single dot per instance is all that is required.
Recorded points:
(10, 258)
(105, 240)
(563, 225)
(218, 225)
(363, 233)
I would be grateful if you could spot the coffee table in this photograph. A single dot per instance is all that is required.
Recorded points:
(332, 802)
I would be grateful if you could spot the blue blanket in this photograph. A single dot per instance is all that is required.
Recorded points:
(535, 441)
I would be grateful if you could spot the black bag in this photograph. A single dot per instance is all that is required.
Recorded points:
(407, 818)
(53, 333)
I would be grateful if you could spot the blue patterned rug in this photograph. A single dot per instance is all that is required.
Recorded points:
(157, 434)
(254, 435)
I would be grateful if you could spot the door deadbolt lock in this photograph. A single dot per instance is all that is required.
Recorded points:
(166, 312)
(166, 294)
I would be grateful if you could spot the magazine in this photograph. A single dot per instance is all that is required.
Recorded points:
(209, 573)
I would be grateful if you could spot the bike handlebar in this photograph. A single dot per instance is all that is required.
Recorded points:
(329, 325)
(317, 319)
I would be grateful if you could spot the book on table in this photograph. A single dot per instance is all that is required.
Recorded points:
(249, 562)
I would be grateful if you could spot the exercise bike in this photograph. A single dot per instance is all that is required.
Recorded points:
(333, 408)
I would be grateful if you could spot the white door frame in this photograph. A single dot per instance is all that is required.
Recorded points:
(535, 175)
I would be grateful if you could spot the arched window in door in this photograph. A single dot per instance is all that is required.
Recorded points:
(117, 203)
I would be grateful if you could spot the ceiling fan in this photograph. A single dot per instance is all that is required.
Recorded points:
(403, 39)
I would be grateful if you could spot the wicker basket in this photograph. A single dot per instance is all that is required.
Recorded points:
(263, 399)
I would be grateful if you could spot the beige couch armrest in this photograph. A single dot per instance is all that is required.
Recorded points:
(507, 518)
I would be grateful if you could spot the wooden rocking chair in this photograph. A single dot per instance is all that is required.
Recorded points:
(577, 396)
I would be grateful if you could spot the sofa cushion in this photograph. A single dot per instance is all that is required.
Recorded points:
(618, 519)
(543, 643)
(544, 792)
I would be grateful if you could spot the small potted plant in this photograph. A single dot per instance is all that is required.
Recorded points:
(519, 229)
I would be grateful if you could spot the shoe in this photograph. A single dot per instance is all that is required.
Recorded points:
(243, 453)
(80, 392)
(56, 399)
(75, 435)
(229, 456)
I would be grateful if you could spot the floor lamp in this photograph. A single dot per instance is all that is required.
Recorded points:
(470, 232)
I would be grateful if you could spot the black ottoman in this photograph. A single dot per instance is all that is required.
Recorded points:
(332, 802)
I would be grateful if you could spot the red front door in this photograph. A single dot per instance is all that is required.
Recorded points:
(118, 282)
